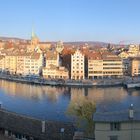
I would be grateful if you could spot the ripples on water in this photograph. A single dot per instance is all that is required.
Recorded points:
(51, 103)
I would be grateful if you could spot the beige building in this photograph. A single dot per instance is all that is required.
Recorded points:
(95, 65)
(124, 55)
(52, 58)
(135, 66)
(123, 125)
(53, 71)
(134, 49)
(2, 43)
(77, 66)
(22, 63)
(2, 63)
(104, 65)
(10, 63)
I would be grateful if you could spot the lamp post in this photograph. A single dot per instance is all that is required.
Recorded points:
(62, 133)
(131, 117)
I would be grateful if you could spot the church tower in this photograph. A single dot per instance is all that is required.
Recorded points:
(59, 47)
(34, 41)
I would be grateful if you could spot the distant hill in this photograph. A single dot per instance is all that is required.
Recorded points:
(90, 43)
(75, 43)
(11, 38)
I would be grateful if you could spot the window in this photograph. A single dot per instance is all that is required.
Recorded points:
(113, 137)
(115, 126)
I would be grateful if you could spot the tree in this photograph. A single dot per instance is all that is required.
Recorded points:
(83, 111)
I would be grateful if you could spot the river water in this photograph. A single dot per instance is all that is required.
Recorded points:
(51, 103)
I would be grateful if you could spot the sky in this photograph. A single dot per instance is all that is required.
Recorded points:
(111, 21)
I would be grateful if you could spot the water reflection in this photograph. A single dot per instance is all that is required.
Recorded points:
(52, 102)
(32, 91)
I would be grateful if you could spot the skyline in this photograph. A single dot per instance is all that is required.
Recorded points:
(70, 20)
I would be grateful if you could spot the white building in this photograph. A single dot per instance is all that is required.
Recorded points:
(33, 64)
(77, 66)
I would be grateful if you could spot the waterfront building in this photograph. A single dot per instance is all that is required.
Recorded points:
(104, 65)
(22, 63)
(135, 66)
(53, 71)
(77, 66)
(95, 65)
(52, 58)
(32, 64)
(2, 63)
(121, 125)
(10, 63)
(112, 65)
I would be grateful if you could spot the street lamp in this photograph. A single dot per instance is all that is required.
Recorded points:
(62, 133)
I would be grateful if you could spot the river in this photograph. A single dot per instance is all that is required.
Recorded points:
(51, 103)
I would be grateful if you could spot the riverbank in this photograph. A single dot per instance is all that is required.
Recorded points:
(127, 82)
(60, 82)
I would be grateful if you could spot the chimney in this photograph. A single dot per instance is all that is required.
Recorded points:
(43, 126)
(131, 112)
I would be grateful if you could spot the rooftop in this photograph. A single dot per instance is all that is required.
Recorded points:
(116, 116)
(51, 55)
(33, 127)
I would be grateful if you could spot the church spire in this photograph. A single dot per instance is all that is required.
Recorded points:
(33, 33)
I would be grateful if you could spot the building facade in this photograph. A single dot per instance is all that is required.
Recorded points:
(135, 66)
(123, 125)
(77, 66)
(54, 72)
(104, 65)
(33, 64)
(10, 63)
(2, 63)
(23, 64)
(52, 58)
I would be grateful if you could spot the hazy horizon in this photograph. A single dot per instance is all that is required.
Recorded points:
(71, 20)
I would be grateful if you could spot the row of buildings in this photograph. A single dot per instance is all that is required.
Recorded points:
(49, 65)
(33, 64)
(36, 58)
(99, 65)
